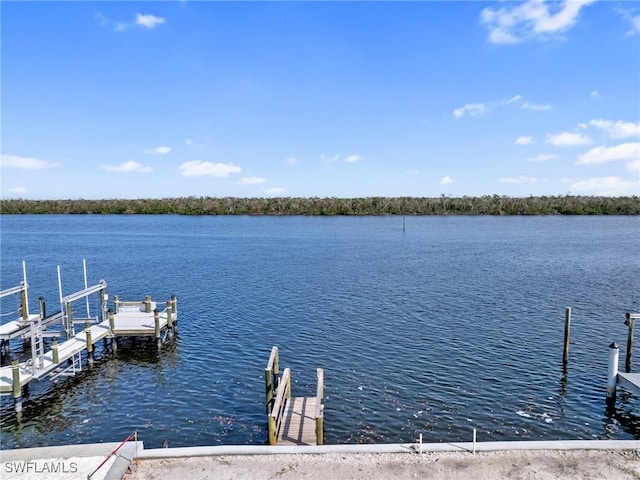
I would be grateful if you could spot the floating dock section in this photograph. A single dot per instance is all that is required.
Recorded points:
(65, 357)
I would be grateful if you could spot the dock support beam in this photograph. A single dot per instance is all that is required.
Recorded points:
(630, 322)
(87, 332)
(17, 388)
(54, 350)
(156, 320)
(567, 334)
(147, 303)
(174, 310)
(612, 373)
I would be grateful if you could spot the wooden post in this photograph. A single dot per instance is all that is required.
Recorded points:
(16, 387)
(147, 303)
(174, 309)
(24, 307)
(112, 323)
(87, 331)
(156, 319)
(567, 333)
(319, 413)
(612, 373)
(169, 314)
(630, 322)
(273, 439)
(103, 302)
(54, 350)
(116, 303)
(69, 318)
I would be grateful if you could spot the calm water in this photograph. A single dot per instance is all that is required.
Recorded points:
(454, 324)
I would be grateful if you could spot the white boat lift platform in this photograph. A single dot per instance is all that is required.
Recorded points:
(27, 371)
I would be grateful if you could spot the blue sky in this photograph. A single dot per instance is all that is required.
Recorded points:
(346, 99)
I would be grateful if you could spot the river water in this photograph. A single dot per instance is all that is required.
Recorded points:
(450, 324)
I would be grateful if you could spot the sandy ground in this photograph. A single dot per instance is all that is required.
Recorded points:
(538, 465)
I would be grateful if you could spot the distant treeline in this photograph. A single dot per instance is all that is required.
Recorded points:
(444, 205)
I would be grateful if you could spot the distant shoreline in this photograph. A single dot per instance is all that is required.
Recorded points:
(312, 206)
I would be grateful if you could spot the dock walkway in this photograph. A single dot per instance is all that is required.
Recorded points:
(27, 371)
(292, 420)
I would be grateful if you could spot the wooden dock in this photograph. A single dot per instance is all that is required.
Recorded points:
(292, 420)
(126, 319)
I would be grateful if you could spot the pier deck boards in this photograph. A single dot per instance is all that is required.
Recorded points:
(631, 381)
(137, 323)
(16, 328)
(66, 350)
(299, 423)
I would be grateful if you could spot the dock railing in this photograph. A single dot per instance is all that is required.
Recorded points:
(271, 378)
(276, 414)
(320, 408)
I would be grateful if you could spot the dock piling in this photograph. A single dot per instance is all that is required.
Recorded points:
(630, 322)
(612, 373)
(567, 333)
(17, 388)
(87, 331)
(54, 350)
(156, 319)
(147, 303)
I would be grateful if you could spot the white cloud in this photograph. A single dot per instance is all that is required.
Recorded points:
(126, 167)
(292, 160)
(146, 21)
(520, 179)
(536, 106)
(625, 151)
(333, 159)
(594, 94)
(531, 19)
(568, 139)
(17, 190)
(617, 129)
(469, 109)
(634, 166)
(606, 186)
(188, 142)
(524, 140)
(26, 163)
(157, 151)
(445, 180)
(634, 20)
(149, 21)
(635, 25)
(251, 180)
(274, 191)
(515, 98)
(101, 19)
(198, 168)
(544, 157)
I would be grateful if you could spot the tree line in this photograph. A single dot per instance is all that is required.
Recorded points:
(444, 205)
